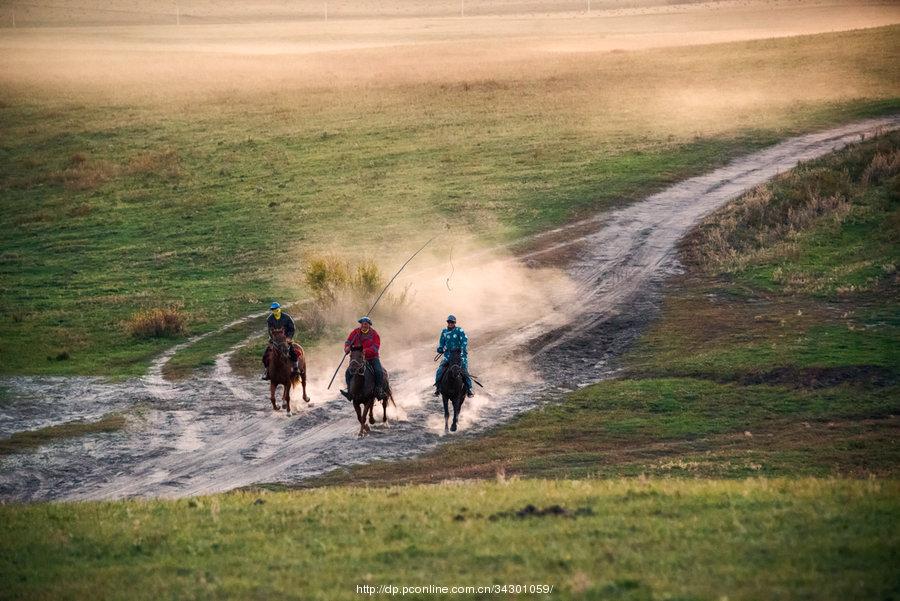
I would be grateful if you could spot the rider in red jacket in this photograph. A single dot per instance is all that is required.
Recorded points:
(366, 337)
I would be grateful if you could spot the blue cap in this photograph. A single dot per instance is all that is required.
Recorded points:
(274, 306)
(365, 319)
(451, 318)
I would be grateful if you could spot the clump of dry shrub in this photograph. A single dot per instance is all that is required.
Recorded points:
(84, 174)
(165, 163)
(884, 164)
(156, 323)
(342, 291)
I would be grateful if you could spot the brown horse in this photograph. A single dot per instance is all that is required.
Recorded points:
(279, 368)
(362, 390)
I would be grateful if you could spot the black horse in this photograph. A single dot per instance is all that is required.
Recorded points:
(362, 390)
(453, 388)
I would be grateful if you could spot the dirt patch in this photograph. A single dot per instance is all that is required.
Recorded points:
(823, 377)
(531, 511)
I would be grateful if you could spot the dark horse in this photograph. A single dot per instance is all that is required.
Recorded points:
(362, 390)
(278, 366)
(453, 388)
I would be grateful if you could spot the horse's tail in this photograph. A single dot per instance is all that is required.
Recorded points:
(391, 396)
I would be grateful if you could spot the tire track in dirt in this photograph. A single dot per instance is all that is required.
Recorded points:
(217, 434)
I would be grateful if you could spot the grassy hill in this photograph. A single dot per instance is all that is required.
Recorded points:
(210, 205)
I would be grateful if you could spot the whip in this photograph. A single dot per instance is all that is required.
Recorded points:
(372, 308)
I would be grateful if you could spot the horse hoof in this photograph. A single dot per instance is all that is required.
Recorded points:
(453, 428)
(288, 413)
(306, 398)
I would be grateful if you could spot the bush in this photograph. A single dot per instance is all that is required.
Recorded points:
(156, 323)
(326, 276)
(368, 280)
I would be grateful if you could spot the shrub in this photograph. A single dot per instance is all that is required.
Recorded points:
(368, 280)
(165, 163)
(156, 323)
(326, 277)
(84, 174)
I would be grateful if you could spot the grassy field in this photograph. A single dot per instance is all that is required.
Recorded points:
(615, 539)
(24, 441)
(776, 355)
(211, 204)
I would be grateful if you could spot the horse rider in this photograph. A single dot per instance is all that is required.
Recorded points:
(277, 321)
(366, 337)
(453, 338)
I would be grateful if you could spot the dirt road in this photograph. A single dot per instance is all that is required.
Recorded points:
(219, 432)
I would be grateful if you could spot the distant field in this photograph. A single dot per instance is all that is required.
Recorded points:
(127, 188)
(619, 539)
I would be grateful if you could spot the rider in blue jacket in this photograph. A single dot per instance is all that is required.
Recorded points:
(453, 338)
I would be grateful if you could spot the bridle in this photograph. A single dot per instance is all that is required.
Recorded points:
(279, 343)
(357, 367)
(454, 367)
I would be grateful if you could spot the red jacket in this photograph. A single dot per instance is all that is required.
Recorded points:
(369, 341)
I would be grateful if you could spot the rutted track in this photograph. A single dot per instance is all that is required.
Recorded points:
(219, 433)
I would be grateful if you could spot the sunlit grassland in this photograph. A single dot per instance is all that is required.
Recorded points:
(622, 539)
(211, 204)
(745, 374)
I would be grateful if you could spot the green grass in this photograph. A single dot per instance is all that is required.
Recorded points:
(744, 374)
(112, 209)
(31, 439)
(621, 539)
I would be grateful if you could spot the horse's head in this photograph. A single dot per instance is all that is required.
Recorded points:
(455, 357)
(357, 365)
(279, 340)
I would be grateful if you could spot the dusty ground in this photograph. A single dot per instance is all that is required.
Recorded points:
(219, 433)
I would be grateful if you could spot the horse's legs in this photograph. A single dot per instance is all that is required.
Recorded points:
(457, 403)
(384, 408)
(361, 419)
(286, 397)
(303, 383)
(372, 413)
(272, 387)
(446, 413)
(370, 409)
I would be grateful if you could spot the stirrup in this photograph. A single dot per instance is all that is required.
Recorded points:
(469, 393)
(346, 395)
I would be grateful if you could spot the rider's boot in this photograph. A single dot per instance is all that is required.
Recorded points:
(346, 395)
(437, 390)
(469, 392)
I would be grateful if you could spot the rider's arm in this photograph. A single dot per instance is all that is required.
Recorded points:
(376, 341)
(441, 345)
(464, 343)
(349, 342)
(289, 328)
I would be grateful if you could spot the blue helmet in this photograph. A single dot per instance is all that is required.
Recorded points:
(274, 306)
(451, 318)
(365, 319)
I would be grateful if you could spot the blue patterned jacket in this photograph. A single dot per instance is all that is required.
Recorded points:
(452, 340)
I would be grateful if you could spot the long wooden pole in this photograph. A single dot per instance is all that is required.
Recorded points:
(372, 308)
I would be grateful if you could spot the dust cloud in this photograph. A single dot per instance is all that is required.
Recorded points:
(499, 301)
